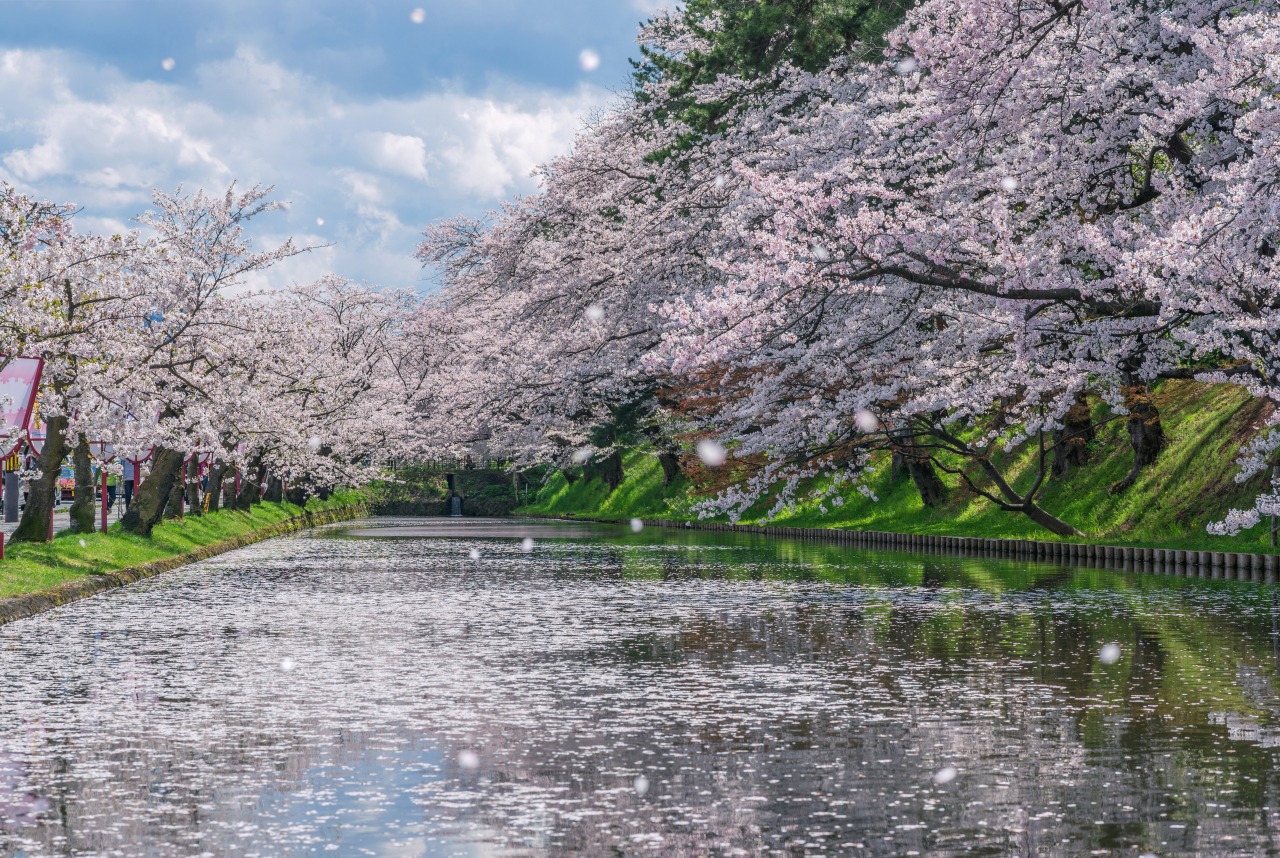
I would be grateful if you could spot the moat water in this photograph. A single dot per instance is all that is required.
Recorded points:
(466, 687)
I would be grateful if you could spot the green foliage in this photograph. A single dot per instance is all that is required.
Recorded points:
(1191, 484)
(641, 493)
(750, 38)
(32, 567)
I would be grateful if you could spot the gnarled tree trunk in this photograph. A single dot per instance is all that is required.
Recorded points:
(34, 525)
(82, 503)
(670, 462)
(151, 498)
(195, 503)
(251, 485)
(1146, 432)
(928, 484)
(216, 472)
(173, 509)
(609, 469)
(1070, 443)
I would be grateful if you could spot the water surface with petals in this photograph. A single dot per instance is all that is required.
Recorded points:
(372, 689)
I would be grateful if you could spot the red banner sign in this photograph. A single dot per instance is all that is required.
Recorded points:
(19, 381)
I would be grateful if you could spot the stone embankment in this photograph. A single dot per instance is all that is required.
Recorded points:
(18, 607)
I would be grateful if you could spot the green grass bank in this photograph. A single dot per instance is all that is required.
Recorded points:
(1191, 484)
(46, 568)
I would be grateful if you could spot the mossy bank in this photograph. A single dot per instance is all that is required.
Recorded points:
(1191, 484)
(37, 577)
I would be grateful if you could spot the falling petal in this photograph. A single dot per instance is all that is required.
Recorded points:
(168, 63)
(866, 421)
(287, 664)
(588, 60)
(1009, 183)
(526, 545)
(583, 455)
(594, 313)
(945, 775)
(637, 525)
(907, 66)
(1109, 654)
(418, 15)
(474, 554)
(712, 453)
(641, 785)
(469, 760)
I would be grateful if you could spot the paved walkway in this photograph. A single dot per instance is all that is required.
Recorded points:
(62, 517)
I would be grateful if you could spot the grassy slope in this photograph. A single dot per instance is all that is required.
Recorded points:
(30, 568)
(1192, 484)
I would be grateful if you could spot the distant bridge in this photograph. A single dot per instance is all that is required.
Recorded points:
(455, 466)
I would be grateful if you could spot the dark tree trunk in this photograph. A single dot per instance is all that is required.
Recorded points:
(609, 469)
(570, 475)
(297, 495)
(930, 486)
(195, 503)
(323, 492)
(150, 498)
(216, 472)
(34, 525)
(1049, 521)
(1071, 441)
(1146, 433)
(173, 509)
(275, 491)
(670, 463)
(82, 503)
(250, 485)
(919, 467)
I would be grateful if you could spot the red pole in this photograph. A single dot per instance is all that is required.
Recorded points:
(104, 498)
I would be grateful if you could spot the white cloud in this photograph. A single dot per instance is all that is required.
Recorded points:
(501, 144)
(76, 132)
(403, 154)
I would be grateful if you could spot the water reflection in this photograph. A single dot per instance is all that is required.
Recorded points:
(376, 691)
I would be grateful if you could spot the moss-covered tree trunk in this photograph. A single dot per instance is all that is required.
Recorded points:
(82, 503)
(275, 490)
(34, 525)
(151, 498)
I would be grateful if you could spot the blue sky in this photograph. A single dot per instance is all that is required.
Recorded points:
(369, 125)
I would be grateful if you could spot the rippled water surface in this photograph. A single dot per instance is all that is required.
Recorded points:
(374, 690)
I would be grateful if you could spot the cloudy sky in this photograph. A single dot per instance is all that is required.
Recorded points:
(371, 117)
